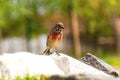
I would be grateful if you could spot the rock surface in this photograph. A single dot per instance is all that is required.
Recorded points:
(21, 63)
(99, 64)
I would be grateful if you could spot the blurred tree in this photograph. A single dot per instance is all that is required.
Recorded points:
(117, 29)
(97, 16)
(76, 31)
(18, 17)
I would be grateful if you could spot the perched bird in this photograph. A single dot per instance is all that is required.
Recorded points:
(54, 38)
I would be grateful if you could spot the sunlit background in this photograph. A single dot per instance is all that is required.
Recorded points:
(91, 26)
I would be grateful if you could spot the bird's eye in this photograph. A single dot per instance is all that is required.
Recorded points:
(57, 29)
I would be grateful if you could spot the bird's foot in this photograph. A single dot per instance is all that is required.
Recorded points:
(48, 53)
(57, 53)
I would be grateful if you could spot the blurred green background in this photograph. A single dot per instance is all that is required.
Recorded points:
(91, 26)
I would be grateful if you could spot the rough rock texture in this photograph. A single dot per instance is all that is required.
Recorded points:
(22, 63)
(63, 66)
(99, 64)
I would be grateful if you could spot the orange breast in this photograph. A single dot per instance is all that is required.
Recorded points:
(54, 40)
(55, 36)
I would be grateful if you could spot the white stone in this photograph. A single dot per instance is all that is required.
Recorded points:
(22, 63)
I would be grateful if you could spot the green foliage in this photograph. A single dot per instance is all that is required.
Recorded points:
(42, 77)
(13, 15)
(112, 60)
(18, 78)
(96, 15)
(28, 77)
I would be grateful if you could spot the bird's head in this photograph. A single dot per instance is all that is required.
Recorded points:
(58, 28)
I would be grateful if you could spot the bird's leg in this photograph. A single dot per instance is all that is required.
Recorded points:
(56, 50)
(47, 51)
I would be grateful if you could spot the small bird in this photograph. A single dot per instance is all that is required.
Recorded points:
(54, 38)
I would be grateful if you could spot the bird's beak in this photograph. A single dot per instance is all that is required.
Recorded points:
(62, 27)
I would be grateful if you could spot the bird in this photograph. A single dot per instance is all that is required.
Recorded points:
(54, 38)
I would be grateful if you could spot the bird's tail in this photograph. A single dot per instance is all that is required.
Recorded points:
(47, 51)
